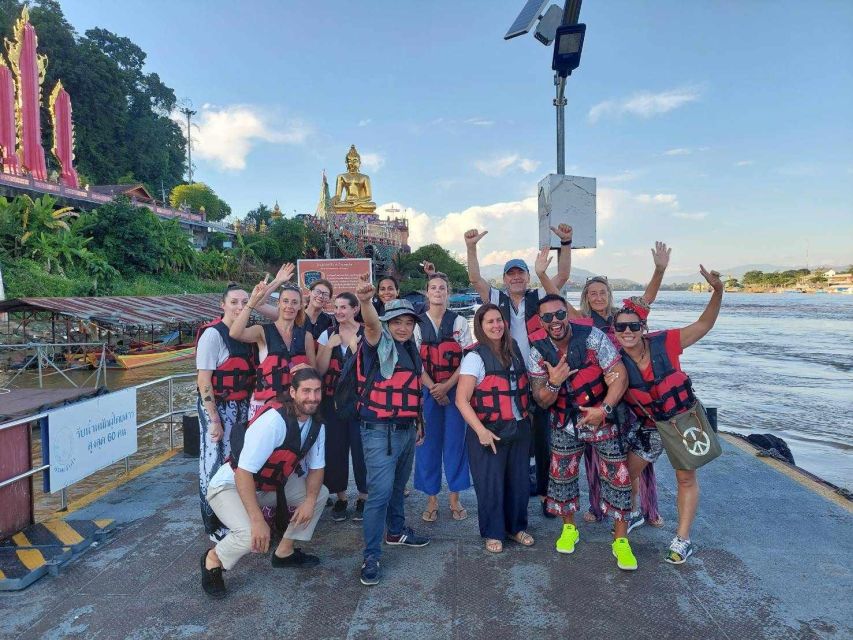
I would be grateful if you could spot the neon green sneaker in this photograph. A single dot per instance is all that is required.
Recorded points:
(566, 541)
(625, 559)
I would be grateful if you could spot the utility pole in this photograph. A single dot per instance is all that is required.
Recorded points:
(571, 15)
(189, 113)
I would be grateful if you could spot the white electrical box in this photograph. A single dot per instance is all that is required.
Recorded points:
(569, 200)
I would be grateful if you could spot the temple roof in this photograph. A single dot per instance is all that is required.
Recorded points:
(137, 191)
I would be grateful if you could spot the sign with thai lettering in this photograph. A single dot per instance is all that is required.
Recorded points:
(87, 436)
(343, 273)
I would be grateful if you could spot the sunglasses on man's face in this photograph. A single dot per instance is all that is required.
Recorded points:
(632, 326)
(547, 317)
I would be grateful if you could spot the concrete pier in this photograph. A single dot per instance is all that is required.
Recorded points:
(774, 561)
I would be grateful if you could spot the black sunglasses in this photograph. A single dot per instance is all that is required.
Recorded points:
(560, 315)
(633, 326)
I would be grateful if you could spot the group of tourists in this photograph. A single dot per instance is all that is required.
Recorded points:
(286, 407)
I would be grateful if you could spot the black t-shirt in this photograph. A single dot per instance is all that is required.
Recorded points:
(324, 321)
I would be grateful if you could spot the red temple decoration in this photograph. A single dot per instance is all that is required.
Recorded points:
(8, 138)
(63, 135)
(29, 68)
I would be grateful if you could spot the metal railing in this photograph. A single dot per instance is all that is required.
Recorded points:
(169, 414)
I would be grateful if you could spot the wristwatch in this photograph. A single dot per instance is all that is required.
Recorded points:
(608, 410)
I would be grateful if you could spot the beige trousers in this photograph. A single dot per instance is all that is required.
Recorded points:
(228, 507)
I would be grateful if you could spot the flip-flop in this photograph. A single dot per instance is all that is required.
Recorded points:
(429, 515)
(589, 516)
(458, 514)
(523, 538)
(494, 546)
(656, 523)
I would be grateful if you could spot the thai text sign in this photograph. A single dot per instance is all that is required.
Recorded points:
(88, 436)
(344, 273)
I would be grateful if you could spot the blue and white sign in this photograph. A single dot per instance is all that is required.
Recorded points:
(87, 436)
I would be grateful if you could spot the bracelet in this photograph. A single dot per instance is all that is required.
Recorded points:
(566, 243)
(552, 388)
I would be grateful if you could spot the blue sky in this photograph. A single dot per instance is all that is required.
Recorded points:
(722, 128)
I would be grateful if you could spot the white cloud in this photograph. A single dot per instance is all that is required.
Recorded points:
(527, 165)
(680, 151)
(501, 256)
(226, 135)
(624, 176)
(365, 122)
(499, 165)
(372, 162)
(744, 163)
(479, 122)
(667, 199)
(645, 104)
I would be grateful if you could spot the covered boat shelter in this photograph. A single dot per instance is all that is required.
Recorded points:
(88, 319)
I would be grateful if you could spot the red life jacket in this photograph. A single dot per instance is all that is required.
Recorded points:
(234, 378)
(586, 388)
(274, 372)
(336, 362)
(285, 458)
(493, 398)
(606, 325)
(395, 398)
(531, 309)
(669, 394)
(441, 353)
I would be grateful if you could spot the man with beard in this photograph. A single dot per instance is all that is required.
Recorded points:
(268, 470)
(567, 368)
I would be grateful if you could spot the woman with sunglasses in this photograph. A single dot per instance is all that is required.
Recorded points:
(336, 345)
(493, 397)
(441, 336)
(316, 319)
(658, 389)
(282, 345)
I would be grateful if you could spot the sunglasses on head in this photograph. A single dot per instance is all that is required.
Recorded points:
(597, 279)
(291, 287)
(633, 326)
(560, 315)
(439, 275)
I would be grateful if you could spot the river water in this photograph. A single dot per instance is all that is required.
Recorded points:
(774, 363)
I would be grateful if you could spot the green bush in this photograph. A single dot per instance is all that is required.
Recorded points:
(25, 278)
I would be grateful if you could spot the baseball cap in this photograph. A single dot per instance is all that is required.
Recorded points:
(516, 262)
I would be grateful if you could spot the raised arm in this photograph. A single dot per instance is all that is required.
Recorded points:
(270, 311)
(472, 237)
(660, 255)
(255, 333)
(372, 325)
(696, 331)
(541, 268)
(564, 261)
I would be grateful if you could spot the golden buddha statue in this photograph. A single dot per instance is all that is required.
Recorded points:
(357, 187)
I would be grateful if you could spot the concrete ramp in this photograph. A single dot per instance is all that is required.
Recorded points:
(773, 561)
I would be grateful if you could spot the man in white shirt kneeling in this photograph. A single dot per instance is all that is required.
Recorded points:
(269, 470)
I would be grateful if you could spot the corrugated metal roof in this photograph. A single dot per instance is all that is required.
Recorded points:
(126, 310)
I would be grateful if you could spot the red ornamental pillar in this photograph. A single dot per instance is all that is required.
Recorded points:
(8, 139)
(63, 135)
(29, 68)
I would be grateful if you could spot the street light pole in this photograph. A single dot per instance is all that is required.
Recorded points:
(189, 113)
(571, 15)
(560, 103)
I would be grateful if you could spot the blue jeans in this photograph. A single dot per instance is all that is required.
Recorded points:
(386, 480)
(444, 438)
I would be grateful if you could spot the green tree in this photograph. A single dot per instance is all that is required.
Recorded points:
(176, 250)
(259, 214)
(122, 233)
(197, 196)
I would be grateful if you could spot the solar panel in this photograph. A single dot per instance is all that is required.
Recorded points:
(526, 19)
